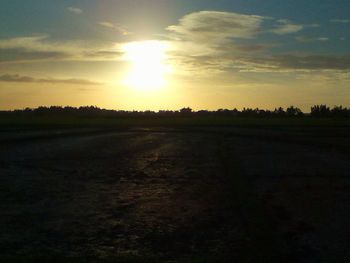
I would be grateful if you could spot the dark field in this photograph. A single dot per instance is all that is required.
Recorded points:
(200, 194)
(57, 121)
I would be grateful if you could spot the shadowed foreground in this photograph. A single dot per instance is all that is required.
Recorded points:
(183, 196)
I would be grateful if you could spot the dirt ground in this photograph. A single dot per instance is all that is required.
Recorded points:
(174, 195)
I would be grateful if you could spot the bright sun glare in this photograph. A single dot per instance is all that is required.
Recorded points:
(148, 70)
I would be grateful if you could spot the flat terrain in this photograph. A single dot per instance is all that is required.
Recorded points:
(215, 194)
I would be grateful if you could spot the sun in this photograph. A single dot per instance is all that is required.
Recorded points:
(148, 64)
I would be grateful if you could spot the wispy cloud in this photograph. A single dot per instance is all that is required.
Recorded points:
(37, 48)
(341, 21)
(75, 10)
(212, 26)
(307, 39)
(312, 62)
(34, 48)
(223, 27)
(200, 42)
(315, 25)
(223, 42)
(117, 27)
(293, 63)
(286, 27)
(23, 55)
(284, 63)
(103, 54)
(106, 24)
(217, 41)
(29, 43)
(27, 79)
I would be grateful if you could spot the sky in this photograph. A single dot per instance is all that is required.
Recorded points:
(170, 54)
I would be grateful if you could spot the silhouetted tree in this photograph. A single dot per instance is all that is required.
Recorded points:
(339, 111)
(93, 111)
(186, 111)
(279, 112)
(293, 111)
(320, 111)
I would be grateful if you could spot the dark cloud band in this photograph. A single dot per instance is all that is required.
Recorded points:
(27, 79)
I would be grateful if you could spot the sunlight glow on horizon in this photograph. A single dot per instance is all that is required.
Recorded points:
(154, 55)
(148, 64)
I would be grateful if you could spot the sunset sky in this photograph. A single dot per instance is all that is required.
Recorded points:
(169, 54)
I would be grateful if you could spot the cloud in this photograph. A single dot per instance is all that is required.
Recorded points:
(306, 39)
(75, 10)
(106, 24)
(205, 41)
(26, 79)
(216, 27)
(341, 21)
(332, 76)
(38, 48)
(252, 62)
(214, 41)
(210, 42)
(117, 27)
(312, 62)
(286, 27)
(29, 43)
(253, 47)
(313, 25)
(103, 54)
(22, 55)
(293, 63)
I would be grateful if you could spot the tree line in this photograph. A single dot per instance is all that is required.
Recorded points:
(93, 111)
